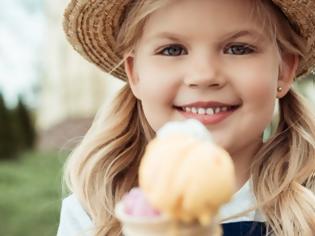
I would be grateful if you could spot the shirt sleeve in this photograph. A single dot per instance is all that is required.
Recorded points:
(74, 221)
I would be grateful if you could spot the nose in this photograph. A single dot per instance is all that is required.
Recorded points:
(204, 72)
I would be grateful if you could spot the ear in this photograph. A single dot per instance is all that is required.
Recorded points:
(287, 73)
(133, 80)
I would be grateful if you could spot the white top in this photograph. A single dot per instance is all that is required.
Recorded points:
(244, 199)
(74, 221)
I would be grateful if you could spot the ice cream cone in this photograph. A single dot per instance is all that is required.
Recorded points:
(184, 178)
(161, 226)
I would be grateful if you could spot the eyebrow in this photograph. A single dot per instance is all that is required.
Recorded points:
(252, 33)
(230, 36)
(167, 35)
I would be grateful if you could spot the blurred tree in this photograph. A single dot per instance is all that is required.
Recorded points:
(8, 145)
(24, 126)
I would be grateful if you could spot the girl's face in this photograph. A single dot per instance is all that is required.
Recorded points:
(207, 60)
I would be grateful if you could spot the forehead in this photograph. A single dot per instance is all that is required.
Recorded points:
(210, 18)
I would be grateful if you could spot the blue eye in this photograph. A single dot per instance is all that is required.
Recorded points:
(173, 50)
(239, 49)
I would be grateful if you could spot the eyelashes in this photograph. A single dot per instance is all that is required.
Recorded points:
(173, 50)
(239, 49)
(233, 49)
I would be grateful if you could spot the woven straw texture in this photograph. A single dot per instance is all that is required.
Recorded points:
(91, 26)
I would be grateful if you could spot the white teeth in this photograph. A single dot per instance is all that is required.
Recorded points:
(201, 111)
(205, 111)
(194, 110)
(224, 109)
(210, 111)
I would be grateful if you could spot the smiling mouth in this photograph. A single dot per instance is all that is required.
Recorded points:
(206, 110)
(208, 115)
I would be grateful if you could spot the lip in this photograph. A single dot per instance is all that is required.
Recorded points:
(203, 104)
(208, 119)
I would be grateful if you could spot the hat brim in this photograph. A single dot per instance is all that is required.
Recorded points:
(301, 15)
(91, 27)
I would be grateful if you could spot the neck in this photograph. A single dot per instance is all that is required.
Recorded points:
(242, 162)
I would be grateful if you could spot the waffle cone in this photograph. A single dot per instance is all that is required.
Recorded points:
(162, 226)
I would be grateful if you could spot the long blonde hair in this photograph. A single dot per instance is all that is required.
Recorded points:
(104, 166)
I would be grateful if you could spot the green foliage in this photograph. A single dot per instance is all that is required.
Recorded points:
(25, 126)
(17, 132)
(30, 196)
(8, 144)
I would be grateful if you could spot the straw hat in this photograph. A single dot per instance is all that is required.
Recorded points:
(91, 26)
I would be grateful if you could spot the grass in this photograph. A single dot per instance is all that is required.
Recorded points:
(30, 194)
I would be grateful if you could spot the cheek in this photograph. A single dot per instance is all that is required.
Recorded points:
(258, 82)
(260, 91)
(257, 89)
(261, 100)
(156, 84)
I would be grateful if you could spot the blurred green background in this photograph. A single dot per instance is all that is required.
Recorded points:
(30, 194)
(48, 98)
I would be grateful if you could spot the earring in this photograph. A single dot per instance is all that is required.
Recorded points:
(279, 89)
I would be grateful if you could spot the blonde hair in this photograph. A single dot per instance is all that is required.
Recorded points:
(283, 172)
(105, 164)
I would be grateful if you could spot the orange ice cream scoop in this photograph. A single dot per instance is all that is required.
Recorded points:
(186, 177)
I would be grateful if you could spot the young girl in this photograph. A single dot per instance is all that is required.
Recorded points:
(222, 62)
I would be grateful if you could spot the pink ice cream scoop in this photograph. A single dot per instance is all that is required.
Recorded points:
(139, 218)
(135, 204)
